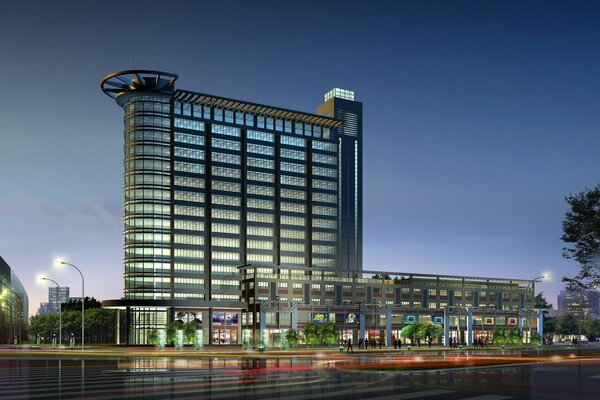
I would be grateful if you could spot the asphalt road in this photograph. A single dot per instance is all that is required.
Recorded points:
(343, 376)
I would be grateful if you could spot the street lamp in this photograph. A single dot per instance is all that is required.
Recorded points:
(532, 285)
(62, 262)
(59, 311)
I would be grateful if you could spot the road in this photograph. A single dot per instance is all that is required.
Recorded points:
(326, 376)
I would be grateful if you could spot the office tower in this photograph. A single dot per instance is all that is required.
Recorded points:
(213, 183)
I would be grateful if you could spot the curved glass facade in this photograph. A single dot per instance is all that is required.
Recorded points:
(147, 196)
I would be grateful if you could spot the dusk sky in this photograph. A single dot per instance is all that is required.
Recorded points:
(479, 117)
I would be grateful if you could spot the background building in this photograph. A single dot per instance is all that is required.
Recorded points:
(14, 306)
(579, 303)
(56, 296)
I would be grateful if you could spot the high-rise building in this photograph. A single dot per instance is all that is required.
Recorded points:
(57, 296)
(579, 303)
(213, 183)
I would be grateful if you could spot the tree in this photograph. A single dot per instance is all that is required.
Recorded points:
(410, 331)
(429, 330)
(500, 336)
(535, 339)
(380, 276)
(581, 233)
(514, 336)
(292, 337)
(311, 333)
(75, 305)
(329, 333)
(550, 325)
(567, 325)
(541, 303)
(189, 331)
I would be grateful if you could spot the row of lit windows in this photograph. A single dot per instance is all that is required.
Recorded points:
(147, 150)
(186, 225)
(151, 223)
(142, 194)
(226, 200)
(189, 210)
(226, 186)
(225, 242)
(189, 182)
(147, 252)
(226, 158)
(189, 196)
(258, 217)
(148, 106)
(292, 180)
(260, 163)
(226, 130)
(260, 176)
(324, 197)
(147, 238)
(266, 258)
(293, 141)
(189, 138)
(147, 208)
(148, 121)
(292, 167)
(189, 239)
(154, 165)
(182, 166)
(188, 267)
(148, 135)
(259, 203)
(225, 144)
(188, 124)
(185, 152)
(260, 190)
(188, 253)
(225, 214)
(226, 172)
(248, 119)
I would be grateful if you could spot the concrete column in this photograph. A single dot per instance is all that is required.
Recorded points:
(388, 327)
(470, 328)
(520, 322)
(446, 329)
(361, 319)
(540, 324)
(263, 324)
(294, 318)
(118, 328)
(209, 325)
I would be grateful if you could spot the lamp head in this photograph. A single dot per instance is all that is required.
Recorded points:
(59, 262)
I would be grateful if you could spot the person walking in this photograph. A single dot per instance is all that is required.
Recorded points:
(360, 343)
(350, 349)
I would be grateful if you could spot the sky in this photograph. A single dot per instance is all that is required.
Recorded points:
(479, 117)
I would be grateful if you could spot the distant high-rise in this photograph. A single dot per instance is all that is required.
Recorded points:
(579, 303)
(213, 183)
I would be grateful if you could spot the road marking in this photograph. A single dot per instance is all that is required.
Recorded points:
(411, 395)
(488, 397)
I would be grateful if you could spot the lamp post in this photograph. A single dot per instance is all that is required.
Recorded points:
(532, 285)
(59, 311)
(62, 262)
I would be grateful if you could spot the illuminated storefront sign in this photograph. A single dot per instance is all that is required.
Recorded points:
(320, 318)
(488, 321)
(437, 319)
(352, 318)
(410, 319)
(225, 319)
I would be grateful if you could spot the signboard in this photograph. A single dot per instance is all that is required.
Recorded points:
(437, 319)
(488, 321)
(410, 319)
(352, 318)
(511, 321)
(225, 319)
(320, 318)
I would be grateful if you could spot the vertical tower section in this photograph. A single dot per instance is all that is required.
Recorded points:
(340, 104)
(146, 98)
